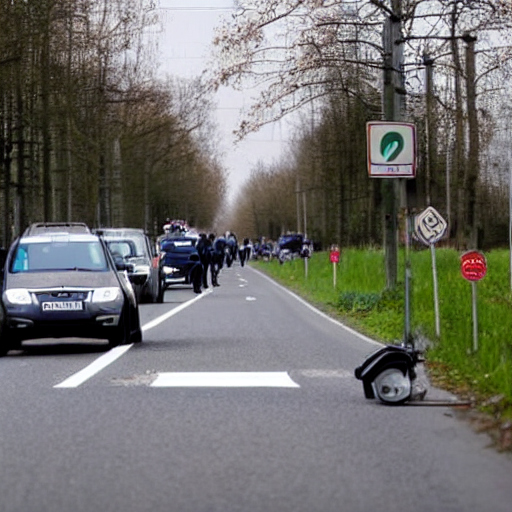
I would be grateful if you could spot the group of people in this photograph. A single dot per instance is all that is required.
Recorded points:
(213, 253)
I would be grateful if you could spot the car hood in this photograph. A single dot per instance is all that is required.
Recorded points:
(61, 279)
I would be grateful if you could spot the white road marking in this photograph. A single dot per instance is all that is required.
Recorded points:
(181, 307)
(250, 299)
(225, 380)
(96, 366)
(109, 357)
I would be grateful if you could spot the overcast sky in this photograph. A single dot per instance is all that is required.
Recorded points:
(184, 50)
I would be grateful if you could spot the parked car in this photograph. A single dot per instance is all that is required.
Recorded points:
(178, 256)
(60, 285)
(134, 248)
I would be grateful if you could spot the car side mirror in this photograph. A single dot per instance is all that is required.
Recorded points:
(119, 262)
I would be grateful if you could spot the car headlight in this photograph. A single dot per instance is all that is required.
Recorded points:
(170, 270)
(19, 296)
(141, 269)
(106, 294)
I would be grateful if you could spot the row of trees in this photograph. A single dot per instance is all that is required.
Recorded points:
(86, 131)
(453, 69)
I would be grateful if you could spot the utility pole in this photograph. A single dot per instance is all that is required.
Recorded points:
(431, 153)
(393, 100)
(473, 150)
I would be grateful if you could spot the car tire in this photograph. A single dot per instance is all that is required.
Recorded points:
(4, 348)
(161, 292)
(5, 342)
(121, 333)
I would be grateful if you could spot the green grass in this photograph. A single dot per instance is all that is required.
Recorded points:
(361, 301)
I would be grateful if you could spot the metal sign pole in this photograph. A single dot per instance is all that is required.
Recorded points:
(475, 317)
(436, 295)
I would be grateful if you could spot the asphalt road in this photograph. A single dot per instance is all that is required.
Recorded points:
(240, 399)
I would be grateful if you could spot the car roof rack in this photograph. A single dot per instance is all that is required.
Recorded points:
(39, 228)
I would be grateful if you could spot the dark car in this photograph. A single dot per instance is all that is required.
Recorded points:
(178, 256)
(133, 248)
(65, 285)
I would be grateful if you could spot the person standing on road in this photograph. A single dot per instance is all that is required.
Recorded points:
(244, 253)
(196, 273)
(204, 249)
(217, 259)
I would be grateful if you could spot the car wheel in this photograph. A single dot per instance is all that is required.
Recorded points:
(4, 347)
(161, 292)
(135, 330)
(5, 341)
(121, 333)
(392, 386)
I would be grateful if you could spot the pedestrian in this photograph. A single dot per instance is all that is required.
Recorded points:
(217, 259)
(195, 275)
(204, 250)
(244, 252)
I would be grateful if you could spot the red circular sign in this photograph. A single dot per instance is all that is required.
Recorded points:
(473, 265)
(335, 256)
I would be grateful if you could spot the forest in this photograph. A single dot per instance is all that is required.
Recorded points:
(328, 64)
(88, 132)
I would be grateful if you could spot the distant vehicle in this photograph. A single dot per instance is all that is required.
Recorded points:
(65, 285)
(175, 259)
(292, 246)
(133, 248)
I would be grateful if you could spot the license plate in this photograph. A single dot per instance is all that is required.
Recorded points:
(63, 306)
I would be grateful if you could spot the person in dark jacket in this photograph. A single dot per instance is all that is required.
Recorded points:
(196, 273)
(217, 258)
(244, 253)
(204, 249)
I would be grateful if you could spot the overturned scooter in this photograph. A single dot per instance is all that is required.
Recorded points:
(390, 373)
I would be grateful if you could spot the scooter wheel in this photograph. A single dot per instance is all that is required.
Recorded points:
(392, 386)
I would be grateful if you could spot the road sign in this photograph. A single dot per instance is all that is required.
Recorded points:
(429, 226)
(473, 265)
(391, 149)
(335, 256)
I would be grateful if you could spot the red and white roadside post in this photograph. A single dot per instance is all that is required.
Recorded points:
(334, 257)
(473, 267)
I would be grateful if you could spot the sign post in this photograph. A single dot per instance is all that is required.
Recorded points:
(473, 267)
(335, 259)
(429, 228)
(391, 152)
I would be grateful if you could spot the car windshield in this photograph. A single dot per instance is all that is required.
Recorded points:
(62, 255)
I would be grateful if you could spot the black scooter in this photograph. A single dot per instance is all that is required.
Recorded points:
(389, 374)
